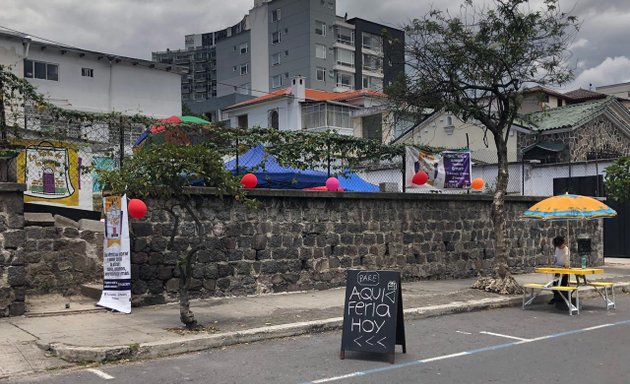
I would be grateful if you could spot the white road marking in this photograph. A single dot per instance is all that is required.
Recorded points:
(100, 374)
(506, 336)
(349, 375)
(443, 357)
(465, 333)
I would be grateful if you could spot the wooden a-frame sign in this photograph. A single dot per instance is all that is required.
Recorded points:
(373, 313)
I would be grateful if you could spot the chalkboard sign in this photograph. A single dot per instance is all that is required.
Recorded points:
(373, 313)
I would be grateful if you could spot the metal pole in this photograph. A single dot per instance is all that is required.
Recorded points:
(522, 173)
(237, 169)
(596, 169)
(404, 169)
(121, 155)
(570, 176)
(328, 157)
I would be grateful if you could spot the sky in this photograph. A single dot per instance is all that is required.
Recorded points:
(600, 52)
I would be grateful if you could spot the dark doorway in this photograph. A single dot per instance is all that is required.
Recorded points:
(616, 239)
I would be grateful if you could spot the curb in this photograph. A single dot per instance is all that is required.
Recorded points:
(199, 343)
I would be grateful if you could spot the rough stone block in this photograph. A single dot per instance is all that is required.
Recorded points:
(14, 239)
(15, 221)
(71, 233)
(91, 225)
(17, 308)
(142, 229)
(16, 276)
(39, 219)
(63, 222)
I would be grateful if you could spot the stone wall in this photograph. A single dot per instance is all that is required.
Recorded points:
(12, 272)
(61, 254)
(306, 240)
(40, 253)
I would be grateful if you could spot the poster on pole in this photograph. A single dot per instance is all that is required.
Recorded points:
(446, 170)
(117, 259)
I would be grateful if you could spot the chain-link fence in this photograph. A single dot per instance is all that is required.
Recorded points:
(61, 157)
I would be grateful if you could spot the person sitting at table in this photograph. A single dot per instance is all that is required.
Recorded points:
(561, 258)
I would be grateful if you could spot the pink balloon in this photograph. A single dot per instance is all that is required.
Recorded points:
(332, 184)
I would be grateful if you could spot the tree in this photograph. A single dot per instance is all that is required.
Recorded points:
(13, 91)
(618, 179)
(165, 172)
(476, 65)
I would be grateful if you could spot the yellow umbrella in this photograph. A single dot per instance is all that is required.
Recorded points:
(569, 207)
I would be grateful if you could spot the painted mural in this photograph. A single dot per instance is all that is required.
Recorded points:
(50, 171)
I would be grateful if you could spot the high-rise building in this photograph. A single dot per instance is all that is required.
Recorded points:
(278, 40)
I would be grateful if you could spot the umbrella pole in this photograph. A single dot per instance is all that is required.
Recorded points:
(568, 237)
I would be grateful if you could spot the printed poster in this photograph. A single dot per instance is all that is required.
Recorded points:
(117, 259)
(446, 170)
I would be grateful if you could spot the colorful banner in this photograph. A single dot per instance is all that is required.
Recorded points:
(50, 171)
(117, 258)
(446, 170)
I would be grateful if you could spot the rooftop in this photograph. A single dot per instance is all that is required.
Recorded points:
(568, 116)
(64, 48)
(312, 95)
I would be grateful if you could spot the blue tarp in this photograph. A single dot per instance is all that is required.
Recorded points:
(273, 175)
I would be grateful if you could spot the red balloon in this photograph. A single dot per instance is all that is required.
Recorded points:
(137, 208)
(420, 178)
(249, 181)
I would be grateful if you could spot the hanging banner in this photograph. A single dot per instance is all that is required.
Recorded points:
(446, 170)
(117, 259)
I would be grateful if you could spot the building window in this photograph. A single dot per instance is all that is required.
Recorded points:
(345, 58)
(40, 70)
(242, 121)
(244, 48)
(345, 36)
(275, 58)
(320, 28)
(244, 68)
(87, 72)
(321, 74)
(274, 119)
(244, 89)
(286, 53)
(345, 79)
(276, 37)
(372, 83)
(276, 15)
(373, 42)
(320, 51)
(372, 63)
(276, 81)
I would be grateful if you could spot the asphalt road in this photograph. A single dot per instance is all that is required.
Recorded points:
(539, 345)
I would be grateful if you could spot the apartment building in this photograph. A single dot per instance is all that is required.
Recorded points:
(278, 40)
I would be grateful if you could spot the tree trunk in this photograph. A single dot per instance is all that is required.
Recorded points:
(185, 271)
(502, 282)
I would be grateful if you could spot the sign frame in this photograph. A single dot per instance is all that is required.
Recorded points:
(373, 303)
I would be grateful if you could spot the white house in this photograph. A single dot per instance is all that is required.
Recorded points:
(358, 113)
(91, 81)
(87, 81)
(443, 129)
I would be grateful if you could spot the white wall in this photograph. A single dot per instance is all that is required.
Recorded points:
(435, 133)
(122, 87)
(259, 48)
(257, 115)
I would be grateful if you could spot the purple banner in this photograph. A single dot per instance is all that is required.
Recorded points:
(457, 168)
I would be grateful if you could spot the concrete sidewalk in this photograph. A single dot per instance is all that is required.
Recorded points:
(52, 337)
